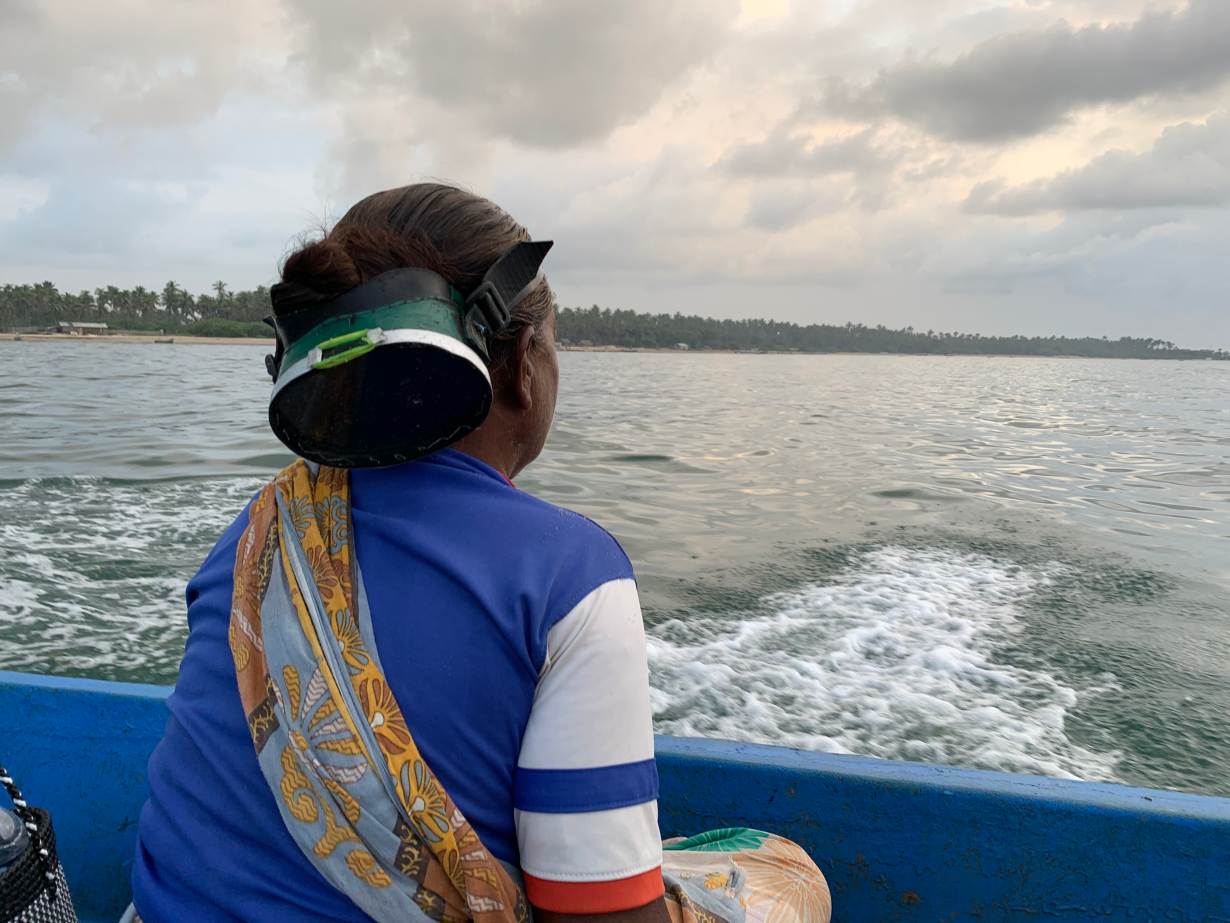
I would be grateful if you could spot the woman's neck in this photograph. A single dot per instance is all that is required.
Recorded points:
(493, 445)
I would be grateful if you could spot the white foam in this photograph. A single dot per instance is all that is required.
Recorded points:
(895, 658)
(93, 577)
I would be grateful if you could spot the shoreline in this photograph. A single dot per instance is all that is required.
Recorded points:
(159, 338)
(270, 343)
(185, 339)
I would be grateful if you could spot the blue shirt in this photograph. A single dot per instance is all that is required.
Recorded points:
(472, 586)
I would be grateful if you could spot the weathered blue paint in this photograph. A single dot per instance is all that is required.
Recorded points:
(898, 841)
(78, 748)
(907, 841)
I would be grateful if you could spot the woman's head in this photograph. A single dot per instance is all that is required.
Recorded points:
(459, 236)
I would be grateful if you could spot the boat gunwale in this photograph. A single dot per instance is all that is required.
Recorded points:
(1076, 793)
(951, 780)
(897, 841)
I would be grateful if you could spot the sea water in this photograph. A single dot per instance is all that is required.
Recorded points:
(1016, 564)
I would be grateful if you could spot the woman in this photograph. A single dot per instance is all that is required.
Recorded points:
(411, 691)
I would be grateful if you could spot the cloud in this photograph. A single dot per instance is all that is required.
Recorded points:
(1187, 167)
(78, 217)
(670, 149)
(1097, 273)
(779, 209)
(783, 154)
(538, 73)
(129, 68)
(1019, 84)
(856, 168)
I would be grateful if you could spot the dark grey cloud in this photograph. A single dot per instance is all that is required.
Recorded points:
(859, 166)
(1019, 84)
(544, 74)
(786, 154)
(16, 100)
(779, 211)
(775, 207)
(1187, 167)
(16, 107)
(117, 70)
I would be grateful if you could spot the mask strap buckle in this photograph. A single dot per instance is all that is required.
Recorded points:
(273, 360)
(488, 309)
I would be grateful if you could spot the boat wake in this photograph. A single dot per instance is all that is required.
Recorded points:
(894, 657)
(92, 580)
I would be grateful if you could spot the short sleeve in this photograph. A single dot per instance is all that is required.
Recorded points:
(586, 786)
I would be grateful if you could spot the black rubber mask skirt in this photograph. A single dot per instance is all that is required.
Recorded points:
(394, 369)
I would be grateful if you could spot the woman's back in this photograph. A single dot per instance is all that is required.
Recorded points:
(486, 605)
(410, 691)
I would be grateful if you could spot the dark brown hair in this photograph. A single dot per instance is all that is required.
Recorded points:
(423, 226)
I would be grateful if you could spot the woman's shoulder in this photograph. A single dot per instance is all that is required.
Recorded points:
(576, 558)
(575, 536)
(490, 508)
(565, 566)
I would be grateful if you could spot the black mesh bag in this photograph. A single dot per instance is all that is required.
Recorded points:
(32, 884)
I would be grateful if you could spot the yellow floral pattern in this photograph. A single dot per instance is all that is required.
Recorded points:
(457, 878)
(323, 739)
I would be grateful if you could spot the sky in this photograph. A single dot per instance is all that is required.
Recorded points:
(997, 166)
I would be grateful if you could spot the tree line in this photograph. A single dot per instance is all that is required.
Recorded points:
(597, 326)
(222, 312)
(219, 312)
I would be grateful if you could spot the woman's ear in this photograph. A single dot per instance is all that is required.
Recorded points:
(521, 371)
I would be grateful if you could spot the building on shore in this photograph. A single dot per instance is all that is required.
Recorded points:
(79, 328)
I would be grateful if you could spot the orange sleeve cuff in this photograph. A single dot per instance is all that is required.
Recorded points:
(595, 896)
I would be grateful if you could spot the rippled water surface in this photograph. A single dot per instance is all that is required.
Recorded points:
(1017, 564)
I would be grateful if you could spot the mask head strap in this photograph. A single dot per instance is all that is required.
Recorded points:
(485, 313)
(488, 309)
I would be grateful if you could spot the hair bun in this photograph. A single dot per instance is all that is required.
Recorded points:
(317, 271)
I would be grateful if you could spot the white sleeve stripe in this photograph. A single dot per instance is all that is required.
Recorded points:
(599, 846)
(591, 707)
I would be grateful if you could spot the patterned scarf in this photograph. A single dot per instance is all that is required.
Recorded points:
(331, 740)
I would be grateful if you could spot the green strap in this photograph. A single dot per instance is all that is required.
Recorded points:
(430, 314)
(366, 345)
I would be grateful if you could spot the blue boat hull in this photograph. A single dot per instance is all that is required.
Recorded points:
(897, 841)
